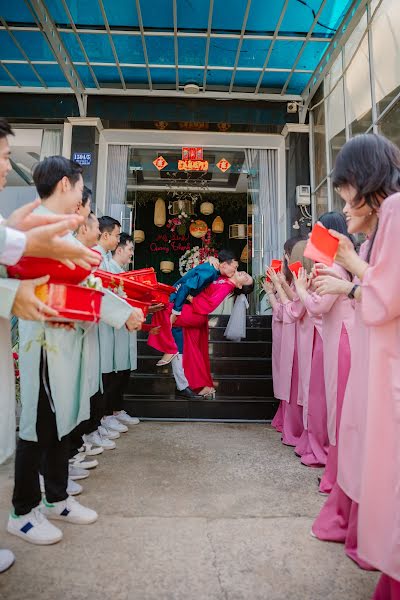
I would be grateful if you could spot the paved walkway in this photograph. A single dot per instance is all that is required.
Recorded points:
(189, 511)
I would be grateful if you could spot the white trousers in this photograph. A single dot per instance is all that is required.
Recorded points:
(179, 374)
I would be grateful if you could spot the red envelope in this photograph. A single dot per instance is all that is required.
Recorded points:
(321, 246)
(294, 267)
(276, 265)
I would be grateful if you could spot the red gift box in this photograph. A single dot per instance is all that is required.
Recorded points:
(32, 268)
(133, 289)
(146, 276)
(295, 267)
(321, 246)
(73, 302)
(276, 265)
(161, 293)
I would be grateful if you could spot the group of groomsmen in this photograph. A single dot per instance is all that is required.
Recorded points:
(72, 375)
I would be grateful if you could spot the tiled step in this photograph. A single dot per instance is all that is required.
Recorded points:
(218, 348)
(164, 385)
(223, 407)
(232, 365)
(217, 334)
(257, 321)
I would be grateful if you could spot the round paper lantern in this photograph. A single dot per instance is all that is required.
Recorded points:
(218, 225)
(206, 208)
(198, 229)
(166, 266)
(244, 257)
(160, 215)
(138, 236)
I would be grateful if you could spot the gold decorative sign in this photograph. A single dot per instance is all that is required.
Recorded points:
(223, 165)
(192, 165)
(160, 163)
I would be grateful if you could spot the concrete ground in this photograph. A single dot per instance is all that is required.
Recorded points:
(189, 511)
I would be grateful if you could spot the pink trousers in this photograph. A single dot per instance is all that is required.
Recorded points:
(293, 413)
(387, 589)
(328, 479)
(196, 361)
(277, 421)
(313, 445)
(338, 521)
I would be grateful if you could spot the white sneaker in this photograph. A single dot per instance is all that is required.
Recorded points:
(80, 460)
(75, 473)
(91, 449)
(123, 416)
(34, 528)
(68, 510)
(111, 434)
(112, 423)
(73, 489)
(101, 441)
(7, 559)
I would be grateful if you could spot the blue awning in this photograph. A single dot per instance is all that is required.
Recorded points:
(247, 46)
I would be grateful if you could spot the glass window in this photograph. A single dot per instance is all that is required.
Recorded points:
(319, 137)
(335, 109)
(321, 198)
(357, 80)
(390, 124)
(386, 50)
(337, 202)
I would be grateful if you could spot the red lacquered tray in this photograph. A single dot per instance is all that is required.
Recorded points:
(73, 302)
(31, 268)
(146, 276)
(138, 304)
(133, 289)
(161, 292)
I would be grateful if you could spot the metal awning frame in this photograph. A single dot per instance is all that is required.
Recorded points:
(46, 26)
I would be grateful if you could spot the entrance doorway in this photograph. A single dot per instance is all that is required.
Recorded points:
(232, 194)
(241, 206)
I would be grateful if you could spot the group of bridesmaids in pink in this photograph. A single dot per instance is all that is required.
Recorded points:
(336, 361)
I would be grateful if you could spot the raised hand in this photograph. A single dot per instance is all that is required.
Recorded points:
(301, 280)
(268, 287)
(24, 219)
(47, 241)
(273, 276)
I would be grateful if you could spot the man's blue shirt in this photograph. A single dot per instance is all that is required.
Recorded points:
(192, 283)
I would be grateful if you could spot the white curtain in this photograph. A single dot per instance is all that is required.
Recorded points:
(117, 176)
(268, 177)
(262, 166)
(51, 143)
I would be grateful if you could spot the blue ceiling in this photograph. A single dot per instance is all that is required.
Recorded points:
(165, 44)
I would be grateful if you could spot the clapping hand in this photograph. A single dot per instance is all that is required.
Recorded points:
(268, 287)
(301, 280)
(273, 276)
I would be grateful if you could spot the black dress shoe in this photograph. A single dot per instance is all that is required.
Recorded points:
(186, 393)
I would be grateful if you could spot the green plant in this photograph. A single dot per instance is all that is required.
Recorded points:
(259, 280)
